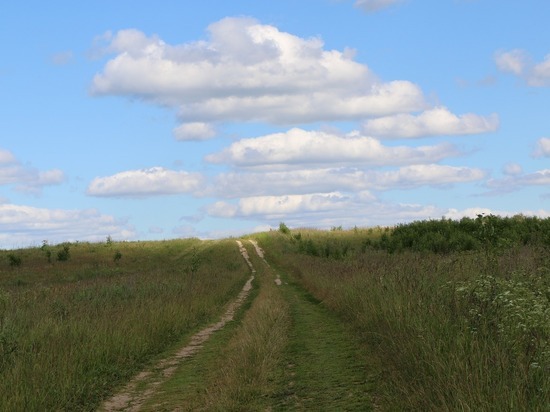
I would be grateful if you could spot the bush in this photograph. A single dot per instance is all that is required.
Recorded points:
(284, 228)
(486, 232)
(14, 260)
(64, 254)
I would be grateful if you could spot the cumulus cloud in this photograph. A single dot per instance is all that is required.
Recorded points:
(414, 176)
(322, 210)
(22, 226)
(235, 185)
(300, 147)
(519, 63)
(25, 178)
(542, 148)
(433, 122)
(516, 182)
(274, 207)
(512, 169)
(248, 71)
(513, 61)
(375, 5)
(194, 131)
(145, 182)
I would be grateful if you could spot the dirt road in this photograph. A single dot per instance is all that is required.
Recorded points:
(144, 384)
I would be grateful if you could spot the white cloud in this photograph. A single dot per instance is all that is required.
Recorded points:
(540, 75)
(235, 185)
(375, 5)
(273, 207)
(433, 122)
(519, 63)
(513, 183)
(323, 210)
(194, 131)
(513, 61)
(424, 175)
(473, 212)
(22, 226)
(512, 169)
(542, 148)
(6, 157)
(301, 147)
(25, 178)
(250, 71)
(145, 182)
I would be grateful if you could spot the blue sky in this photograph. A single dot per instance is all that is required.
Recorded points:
(156, 120)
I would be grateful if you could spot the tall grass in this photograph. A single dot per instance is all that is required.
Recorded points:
(234, 371)
(447, 331)
(72, 330)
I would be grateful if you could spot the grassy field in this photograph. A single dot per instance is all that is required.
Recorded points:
(431, 316)
(73, 330)
(467, 330)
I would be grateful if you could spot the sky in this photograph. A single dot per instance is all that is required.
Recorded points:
(144, 120)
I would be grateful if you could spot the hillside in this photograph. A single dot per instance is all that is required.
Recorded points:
(435, 315)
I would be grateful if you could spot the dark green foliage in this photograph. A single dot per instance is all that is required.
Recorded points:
(117, 256)
(64, 254)
(467, 234)
(46, 249)
(284, 229)
(14, 260)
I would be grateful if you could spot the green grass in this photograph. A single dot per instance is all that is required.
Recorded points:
(234, 370)
(358, 324)
(72, 331)
(438, 336)
(323, 368)
(286, 352)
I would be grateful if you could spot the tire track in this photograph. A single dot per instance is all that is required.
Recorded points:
(260, 253)
(132, 397)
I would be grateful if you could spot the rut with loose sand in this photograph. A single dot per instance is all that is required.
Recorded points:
(144, 385)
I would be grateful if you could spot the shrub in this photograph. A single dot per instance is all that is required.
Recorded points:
(64, 254)
(14, 260)
(284, 228)
(117, 256)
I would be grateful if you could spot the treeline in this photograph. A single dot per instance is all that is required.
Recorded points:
(467, 234)
(485, 232)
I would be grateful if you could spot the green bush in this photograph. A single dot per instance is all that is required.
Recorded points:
(14, 260)
(64, 254)
(486, 232)
(284, 228)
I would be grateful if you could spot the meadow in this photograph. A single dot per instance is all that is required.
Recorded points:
(77, 320)
(453, 315)
(433, 315)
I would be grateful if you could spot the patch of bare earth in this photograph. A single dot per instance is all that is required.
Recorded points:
(144, 385)
(261, 254)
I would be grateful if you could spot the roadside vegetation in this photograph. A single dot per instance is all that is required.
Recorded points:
(452, 315)
(78, 320)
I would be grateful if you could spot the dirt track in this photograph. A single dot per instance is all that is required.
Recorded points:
(144, 385)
